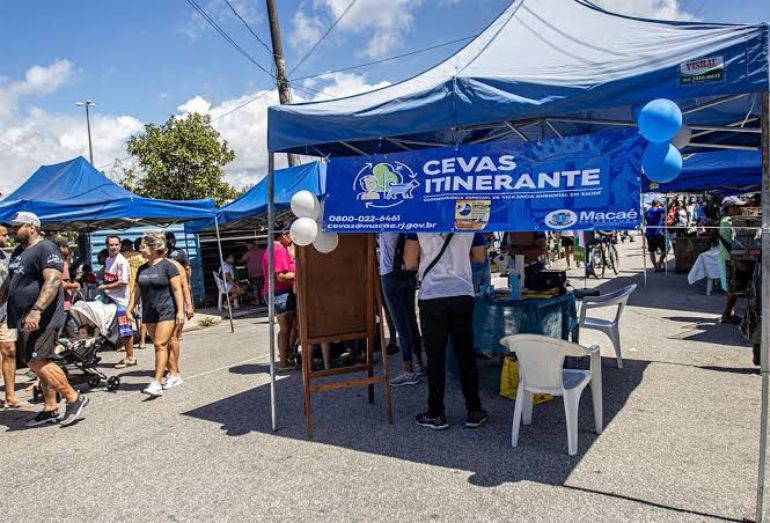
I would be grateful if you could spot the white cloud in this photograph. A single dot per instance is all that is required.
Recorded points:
(38, 80)
(307, 29)
(655, 9)
(383, 22)
(33, 137)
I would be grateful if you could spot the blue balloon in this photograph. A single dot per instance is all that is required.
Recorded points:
(660, 120)
(662, 162)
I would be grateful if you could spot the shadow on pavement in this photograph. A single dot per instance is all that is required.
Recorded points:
(344, 418)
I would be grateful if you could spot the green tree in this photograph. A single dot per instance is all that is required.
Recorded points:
(182, 159)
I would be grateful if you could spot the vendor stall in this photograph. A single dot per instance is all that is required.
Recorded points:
(579, 69)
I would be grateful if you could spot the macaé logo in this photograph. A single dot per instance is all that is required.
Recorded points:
(561, 219)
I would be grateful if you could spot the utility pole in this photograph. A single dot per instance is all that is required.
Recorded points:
(284, 94)
(87, 104)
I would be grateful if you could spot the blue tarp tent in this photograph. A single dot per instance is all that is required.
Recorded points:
(730, 172)
(547, 67)
(252, 204)
(76, 194)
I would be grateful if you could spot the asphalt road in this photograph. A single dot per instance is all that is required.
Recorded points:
(680, 441)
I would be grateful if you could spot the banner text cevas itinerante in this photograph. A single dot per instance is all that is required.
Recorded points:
(447, 176)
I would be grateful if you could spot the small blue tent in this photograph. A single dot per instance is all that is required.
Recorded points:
(253, 204)
(75, 194)
(730, 172)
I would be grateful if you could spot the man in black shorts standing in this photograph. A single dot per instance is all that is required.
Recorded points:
(36, 310)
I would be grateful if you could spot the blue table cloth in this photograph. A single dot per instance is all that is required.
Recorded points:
(497, 317)
(494, 318)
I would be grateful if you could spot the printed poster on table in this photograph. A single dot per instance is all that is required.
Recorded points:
(581, 182)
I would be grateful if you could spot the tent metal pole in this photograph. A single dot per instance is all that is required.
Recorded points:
(222, 264)
(643, 229)
(765, 326)
(271, 282)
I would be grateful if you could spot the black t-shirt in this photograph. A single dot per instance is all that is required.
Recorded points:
(178, 255)
(26, 273)
(154, 282)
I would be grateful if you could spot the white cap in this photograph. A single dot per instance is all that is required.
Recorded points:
(732, 201)
(26, 218)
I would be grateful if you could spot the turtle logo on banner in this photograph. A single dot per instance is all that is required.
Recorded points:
(382, 185)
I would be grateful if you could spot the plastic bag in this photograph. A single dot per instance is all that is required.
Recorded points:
(509, 381)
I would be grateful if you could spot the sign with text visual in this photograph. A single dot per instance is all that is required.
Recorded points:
(580, 182)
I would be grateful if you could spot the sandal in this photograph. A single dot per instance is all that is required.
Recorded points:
(18, 405)
(732, 320)
(125, 362)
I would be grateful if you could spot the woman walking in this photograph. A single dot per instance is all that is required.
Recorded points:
(159, 287)
(174, 378)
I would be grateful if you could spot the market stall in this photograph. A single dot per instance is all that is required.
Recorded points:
(578, 70)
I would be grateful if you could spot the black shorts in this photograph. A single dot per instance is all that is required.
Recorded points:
(39, 344)
(738, 279)
(567, 242)
(656, 243)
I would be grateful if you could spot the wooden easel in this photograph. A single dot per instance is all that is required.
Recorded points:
(338, 296)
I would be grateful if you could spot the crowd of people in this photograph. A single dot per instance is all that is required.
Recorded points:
(147, 281)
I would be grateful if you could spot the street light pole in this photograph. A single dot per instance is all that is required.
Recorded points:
(87, 104)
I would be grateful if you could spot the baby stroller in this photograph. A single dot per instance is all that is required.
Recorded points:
(82, 354)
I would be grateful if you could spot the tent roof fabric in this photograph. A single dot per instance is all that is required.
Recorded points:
(76, 194)
(730, 172)
(539, 58)
(252, 204)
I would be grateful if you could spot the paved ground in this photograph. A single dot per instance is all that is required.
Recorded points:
(680, 442)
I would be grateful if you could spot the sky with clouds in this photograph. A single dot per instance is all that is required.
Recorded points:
(144, 60)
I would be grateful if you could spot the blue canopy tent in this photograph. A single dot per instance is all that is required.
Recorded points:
(248, 210)
(730, 172)
(74, 194)
(554, 68)
(251, 206)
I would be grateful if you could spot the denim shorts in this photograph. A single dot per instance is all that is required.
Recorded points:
(285, 301)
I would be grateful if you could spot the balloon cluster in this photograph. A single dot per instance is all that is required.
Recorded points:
(660, 122)
(306, 229)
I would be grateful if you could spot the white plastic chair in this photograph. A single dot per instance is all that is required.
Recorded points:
(541, 361)
(609, 327)
(222, 292)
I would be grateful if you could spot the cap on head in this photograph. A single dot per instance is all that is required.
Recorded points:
(26, 218)
(61, 241)
(732, 201)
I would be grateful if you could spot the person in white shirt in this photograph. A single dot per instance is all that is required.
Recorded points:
(446, 312)
(234, 288)
(117, 274)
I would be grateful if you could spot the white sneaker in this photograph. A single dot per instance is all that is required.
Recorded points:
(154, 389)
(407, 378)
(171, 381)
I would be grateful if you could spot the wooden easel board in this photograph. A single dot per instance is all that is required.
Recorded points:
(338, 296)
(336, 290)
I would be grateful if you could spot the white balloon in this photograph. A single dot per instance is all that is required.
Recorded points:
(326, 243)
(303, 231)
(682, 138)
(304, 204)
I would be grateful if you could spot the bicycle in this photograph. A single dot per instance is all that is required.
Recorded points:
(603, 254)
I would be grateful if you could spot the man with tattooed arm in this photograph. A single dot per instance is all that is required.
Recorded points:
(36, 311)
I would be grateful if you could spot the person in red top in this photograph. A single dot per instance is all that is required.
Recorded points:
(253, 259)
(285, 301)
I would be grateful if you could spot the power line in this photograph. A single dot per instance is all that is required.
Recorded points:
(246, 24)
(227, 38)
(323, 37)
(388, 59)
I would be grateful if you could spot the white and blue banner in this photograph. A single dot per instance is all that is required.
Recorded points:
(580, 182)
